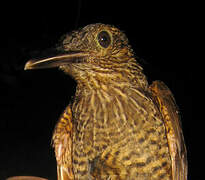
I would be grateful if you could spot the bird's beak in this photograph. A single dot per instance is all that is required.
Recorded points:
(56, 61)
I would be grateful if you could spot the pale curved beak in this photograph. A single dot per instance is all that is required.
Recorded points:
(56, 61)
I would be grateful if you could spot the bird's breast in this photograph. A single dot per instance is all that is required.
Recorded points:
(124, 122)
(106, 116)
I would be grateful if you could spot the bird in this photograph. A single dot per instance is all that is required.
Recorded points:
(117, 126)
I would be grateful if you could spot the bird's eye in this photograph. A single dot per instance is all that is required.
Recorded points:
(104, 39)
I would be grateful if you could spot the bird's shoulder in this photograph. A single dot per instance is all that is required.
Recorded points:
(165, 101)
(62, 143)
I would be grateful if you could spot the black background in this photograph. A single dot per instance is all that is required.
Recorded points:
(31, 101)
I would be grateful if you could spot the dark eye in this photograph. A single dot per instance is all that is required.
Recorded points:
(104, 39)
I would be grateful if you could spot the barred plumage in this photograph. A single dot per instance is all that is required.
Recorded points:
(117, 126)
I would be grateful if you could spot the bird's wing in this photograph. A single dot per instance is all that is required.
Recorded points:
(167, 106)
(62, 142)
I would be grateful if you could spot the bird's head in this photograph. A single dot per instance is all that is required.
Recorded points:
(95, 51)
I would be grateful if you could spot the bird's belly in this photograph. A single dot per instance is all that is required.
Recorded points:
(130, 158)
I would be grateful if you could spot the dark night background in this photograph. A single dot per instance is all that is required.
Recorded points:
(31, 101)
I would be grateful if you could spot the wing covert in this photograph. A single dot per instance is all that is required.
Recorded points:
(62, 142)
(167, 106)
